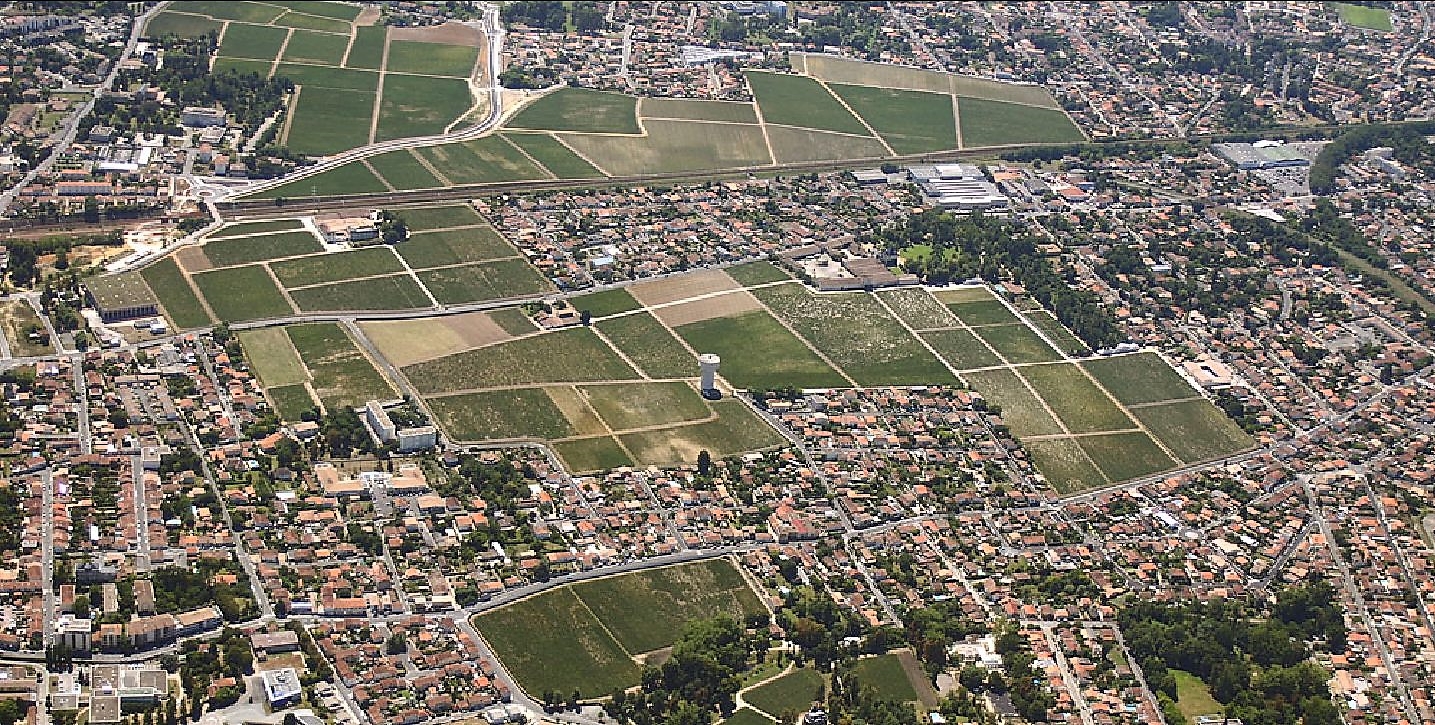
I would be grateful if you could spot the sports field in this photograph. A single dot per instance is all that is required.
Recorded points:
(1364, 16)
(597, 627)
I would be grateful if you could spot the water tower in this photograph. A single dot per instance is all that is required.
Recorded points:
(708, 363)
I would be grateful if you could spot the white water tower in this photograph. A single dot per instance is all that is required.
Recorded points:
(708, 363)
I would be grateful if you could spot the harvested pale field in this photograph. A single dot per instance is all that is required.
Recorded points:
(450, 33)
(727, 305)
(571, 403)
(861, 73)
(687, 286)
(412, 341)
(192, 259)
(959, 295)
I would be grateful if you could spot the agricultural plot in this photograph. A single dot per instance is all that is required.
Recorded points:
(395, 292)
(1194, 430)
(747, 716)
(683, 287)
(988, 311)
(273, 356)
(553, 155)
(324, 123)
(736, 430)
(405, 342)
(1124, 456)
(260, 42)
(962, 349)
(1065, 465)
(1077, 402)
(347, 179)
(247, 250)
(525, 413)
(640, 405)
(600, 453)
(603, 304)
(402, 170)
(1017, 343)
(581, 110)
(795, 145)
(323, 268)
(759, 353)
(367, 50)
(313, 22)
(752, 274)
(1021, 410)
(341, 374)
(793, 693)
(1140, 379)
(176, 297)
(1065, 341)
(439, 217)
(237, 294)
(858, 335)
(694, 110)
(308, 46)
(918, 309)
(573, 355)
(482, 161)
(513, 321)
(884, 674)
(407, 56)
(338, 11)
(911, 122)
(649, 345)
(183, 25)
(246, 12)
(555, 626)
(245, 229)
(675, 146)
(647, 610)
(993, 123)
(503, 279)
(241, 66)
(420, 106)
(447, 247)
(291, 402)
(791, 100)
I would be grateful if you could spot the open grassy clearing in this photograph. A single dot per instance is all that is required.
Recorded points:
(484, 160)
(918, 309)
(911, 122)
(1193, 697)
(991, 123)
(639, 405)
(407, 56)
(261, 42)
(857, 334)
(747, 716)
(1018, 343)
(555, 626)
(337, 267)
(1364, 16)
(291, 402)
(501, 415)
(1066, 342)
(307, 46)
(1124, 456)
(675, 146)
(346, 179)
(330, 120)
(757, 352)
(648, 344)
(580, 109)
(403, 171)
(884, 674)
(573, 355)
(454, 246)
(962, 349)
(1021, 411)
(247, 250)
(1137, 379)
(1064, 464)
(180, 24)
(1077, 402)
(484, 281)
(736, 430)
(237, 294)
(367, 51)
(607, 302)
(439, 217)
(247, 228)
(180, 303)
(793, 693)
(592, 454)
(396, 292)
(16, 316)
(1194, 430)
(420, 106)
(342, 376)
(794, 145)
(989, 311)
(647, 610)
(792, 100)
(273, 356)
(695, 110)
(557, 158)
(752, 274)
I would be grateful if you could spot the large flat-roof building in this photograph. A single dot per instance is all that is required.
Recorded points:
(1261, 155)
(281, 686)
(123, 296)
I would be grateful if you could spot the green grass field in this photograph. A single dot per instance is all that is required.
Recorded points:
(675, 146)
(337, 267)
(647, 610)
(241, 66)
(313, 22)
(247, 250)
(573, 355)
(502, 279)
(736, 430)
(1195, 430)
(180, 303)
(273, 357)
(367, 50)
(693, 110)
(1065, 465)
(757, 352)
(795, 145)
(639, 405)
(395, 292)
(1364, 16)
(1123, 456)
(1077, 401)
(1193, 697)
(791, 694)
(592, 454)
(439, 217)
(482, 161)
(291, 402)
(330, 120)
(792, 100)
(406, 56)
(1017, 343)
(419, 106)
(555, 626)
(403, 171)
(260, 42)
(307, 46)
(646, 342)
(991, 123)
(911, 122)
(857, 334)
(338, 11)
(1020, 410)
(513, 320)
(752, 274)
(747, 716)
(607, 302)
(500, 414)
(180, 24)
(1137, 379)
(321, 76)
(247, 12)
(962, 349)
(580, 109)
(885, 675)
(918, 309)
(237, 294)
(557, 158)
(248, 228)
(454, 246)
(342, 375)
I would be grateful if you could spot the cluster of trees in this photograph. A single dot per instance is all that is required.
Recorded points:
(1408, 141)
(1258, 667)
(520, 77)
(12, 516)
(932, 630)
(994, 249)
(587, 17)
(1023, 681)
(699, 678)
(392, 228)
(207, 661)
(180, 590)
